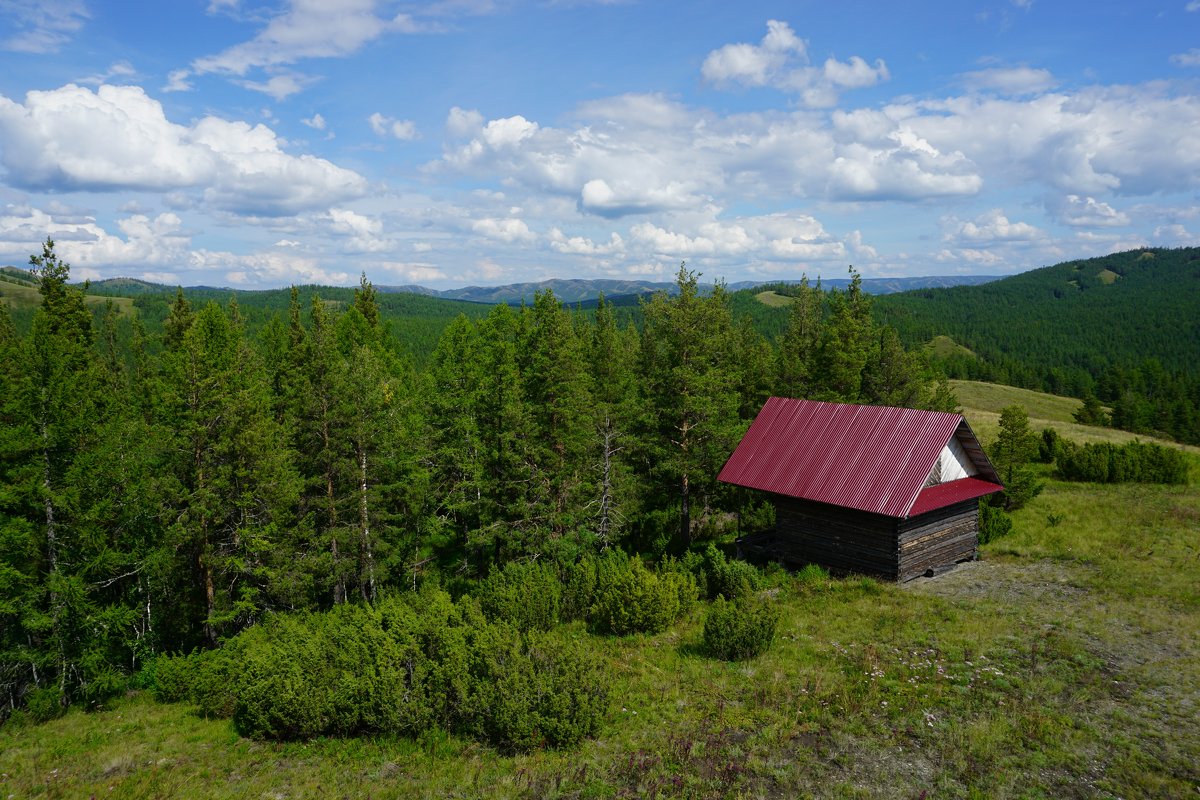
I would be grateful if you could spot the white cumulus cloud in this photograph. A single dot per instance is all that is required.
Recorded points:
(119, 138)
(402, 129)
(755, 65)
(505, 230)
(1088, 212)
(781, 60)
(992, 226)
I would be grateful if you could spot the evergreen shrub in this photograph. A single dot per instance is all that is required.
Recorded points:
(632, 599)
(44, 704)
(1049, 446)
(1133, 462)
(535, 690)
(741, 629)
(994, 523)
(578, 588)
(416, 662)
(676, 574)
(336, 674)
(526, 593)
(732, 579)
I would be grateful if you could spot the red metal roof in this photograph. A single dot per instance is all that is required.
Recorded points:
(870, 458)
(947, 494)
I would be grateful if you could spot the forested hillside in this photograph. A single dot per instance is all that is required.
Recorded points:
(1123, 327)
(168, 497)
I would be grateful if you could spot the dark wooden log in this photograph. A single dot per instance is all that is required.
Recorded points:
(847, 540)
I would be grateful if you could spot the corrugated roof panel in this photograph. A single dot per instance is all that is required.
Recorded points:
(871, 458)
(947, 494)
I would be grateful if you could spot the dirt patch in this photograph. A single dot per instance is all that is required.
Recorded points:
(1004, 582)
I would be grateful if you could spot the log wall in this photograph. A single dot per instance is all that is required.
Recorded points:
(846, 540)
(841, 539)
(939, 538)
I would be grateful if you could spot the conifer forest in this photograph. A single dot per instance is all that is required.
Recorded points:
(162, 495)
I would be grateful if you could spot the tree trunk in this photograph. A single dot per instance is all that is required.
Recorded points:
(52, 557)
(339, 582)
(368, 585)
(604, 528)
(685, 511)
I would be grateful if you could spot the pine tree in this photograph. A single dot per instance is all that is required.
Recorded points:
(556, 390)
(892, 376)
(51, 382)
(690, 385)
(845, 344)
(506, 437)
(366, 301)
(320, 405)
(801, 341)
(612, 356)
(1012, 453)
(178, 321)
(455, 429)
(236, 472)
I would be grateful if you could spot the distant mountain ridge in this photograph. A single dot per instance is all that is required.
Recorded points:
(577, 290)
(568, 290)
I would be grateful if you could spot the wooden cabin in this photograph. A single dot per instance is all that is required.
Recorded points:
(890, 492)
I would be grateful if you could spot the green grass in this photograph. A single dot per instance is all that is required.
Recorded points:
(23, 295)
(774, 299)
(1066, 663)
(992, 397)
(945, 347)
(982, 402)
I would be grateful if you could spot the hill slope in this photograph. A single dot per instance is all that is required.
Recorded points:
(1069, 321)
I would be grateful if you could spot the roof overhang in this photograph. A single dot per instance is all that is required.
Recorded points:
(947, 494)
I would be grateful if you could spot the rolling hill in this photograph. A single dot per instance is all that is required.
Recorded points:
(1074, 317)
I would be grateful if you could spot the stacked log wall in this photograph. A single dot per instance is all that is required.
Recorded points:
(847, 540)
(841, 539)
(938, 538)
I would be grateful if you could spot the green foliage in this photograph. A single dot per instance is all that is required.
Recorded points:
(1050, 446)
(1014, 448)
(994, 523)
(1092, 412)
(536, 691)
(632, 599)
(718, 575)
(416, 662)
(207, 475)
(812, 575)
(579, 588)
(689, 380)
(336, 674)
(45, 704)
(740, 630)
(526, 594)
(1134, 462)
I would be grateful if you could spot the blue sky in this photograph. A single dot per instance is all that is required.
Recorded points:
(258, 144)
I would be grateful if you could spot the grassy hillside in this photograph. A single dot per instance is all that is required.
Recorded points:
(1066, 664)
(19, 291)
(981, 403)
